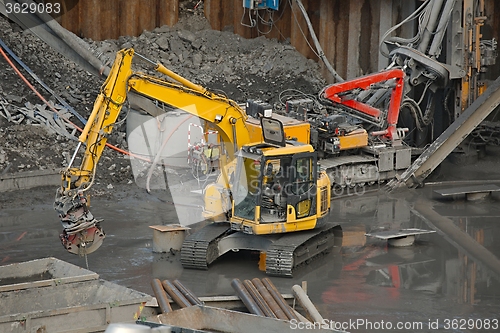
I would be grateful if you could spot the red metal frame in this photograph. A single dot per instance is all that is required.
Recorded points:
(332, 93)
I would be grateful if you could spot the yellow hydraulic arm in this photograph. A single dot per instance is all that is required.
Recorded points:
(81, 231)
(227, 116)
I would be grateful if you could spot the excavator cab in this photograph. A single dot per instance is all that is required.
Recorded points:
(280, 205)
(275, 187)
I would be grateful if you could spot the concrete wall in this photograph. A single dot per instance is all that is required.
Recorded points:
(29, 179)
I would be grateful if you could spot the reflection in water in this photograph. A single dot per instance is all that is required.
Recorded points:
(408, 269)
(433, 266)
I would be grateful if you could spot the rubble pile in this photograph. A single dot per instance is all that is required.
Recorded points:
(258, 68)
(243, 69)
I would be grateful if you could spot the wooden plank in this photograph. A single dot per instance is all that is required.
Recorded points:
(282, 21)
(326, 36)
(71, 16)
(313, 10)
(214, 13)
(241, 15)
(227, 20)
(147, 18)
(231, 302)
(109, 20)
(168, 12)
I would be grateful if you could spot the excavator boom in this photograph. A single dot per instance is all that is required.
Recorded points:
(82, 233)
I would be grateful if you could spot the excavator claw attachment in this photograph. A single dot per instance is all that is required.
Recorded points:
(82, 233)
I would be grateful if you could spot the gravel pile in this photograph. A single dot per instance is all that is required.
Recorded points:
(243, 69)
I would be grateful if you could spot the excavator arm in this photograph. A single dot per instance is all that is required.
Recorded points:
(358, 97)
(82, 233)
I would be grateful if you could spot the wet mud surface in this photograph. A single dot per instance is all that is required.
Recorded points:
(425, 286)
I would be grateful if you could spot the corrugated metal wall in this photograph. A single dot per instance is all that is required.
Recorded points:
(349, 31)
(110, 19)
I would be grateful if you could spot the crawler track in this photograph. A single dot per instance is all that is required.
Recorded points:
(294, 249)
(284, 253)
(200, 249)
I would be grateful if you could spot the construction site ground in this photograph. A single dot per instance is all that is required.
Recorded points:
(438, 282)
(430, 281)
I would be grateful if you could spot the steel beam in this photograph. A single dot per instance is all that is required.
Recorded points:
(168, 12)
(451, 137)
(353, 47)
(385, 24)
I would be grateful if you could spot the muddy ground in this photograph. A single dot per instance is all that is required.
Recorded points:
(425, 285)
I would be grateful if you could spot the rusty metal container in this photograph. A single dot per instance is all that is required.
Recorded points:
(41, 273)
(50, 295)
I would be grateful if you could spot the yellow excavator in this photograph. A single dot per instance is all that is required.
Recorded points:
(279, 198)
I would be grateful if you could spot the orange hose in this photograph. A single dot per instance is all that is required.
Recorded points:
(57, 112)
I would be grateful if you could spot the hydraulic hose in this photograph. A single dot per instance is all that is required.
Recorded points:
(317, 44)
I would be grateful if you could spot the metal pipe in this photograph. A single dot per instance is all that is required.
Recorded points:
(259, 299)
(73, 41)
(362, 96)
(187, 293)
(279, 299)
(375, 98)
(246, 297)
(164, 70)
(431, 25)
(175, 294)
(304, 301)
(441, 29)
(161, 296)
(269, 299)
(301, 317)
(185, 82)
